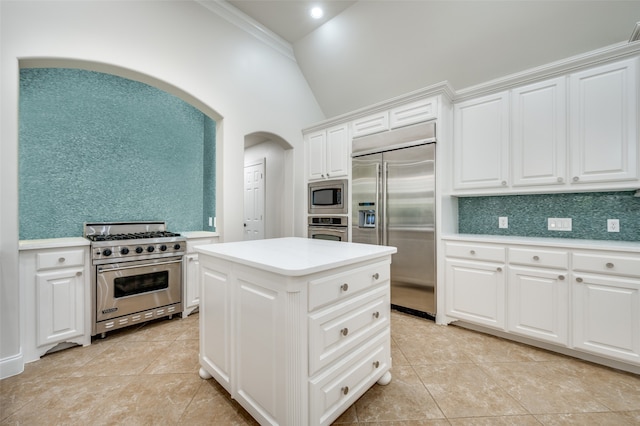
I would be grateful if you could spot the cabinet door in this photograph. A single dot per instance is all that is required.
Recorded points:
(60, 305)
(539, 133)
(474, 292)
(191, 287)
(606, 316)
(215, 317)
(337, 152)
(415, 112)
(538, 304)
(603, 117)
(316, 155)
(374, 123)
(480, 142)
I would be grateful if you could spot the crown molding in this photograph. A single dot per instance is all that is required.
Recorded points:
(250, 25)
(554, 69)
(635, 35)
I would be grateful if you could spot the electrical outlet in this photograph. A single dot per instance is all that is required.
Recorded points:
(559, 224)
(613, 225)
(503, 222)
(210, 221)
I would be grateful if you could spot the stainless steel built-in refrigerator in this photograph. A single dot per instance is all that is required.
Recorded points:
(393, 203)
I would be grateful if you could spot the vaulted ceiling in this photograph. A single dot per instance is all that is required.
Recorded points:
(367, 51)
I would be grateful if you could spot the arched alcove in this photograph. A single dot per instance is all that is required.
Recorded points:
(279, 189)
(182, 163)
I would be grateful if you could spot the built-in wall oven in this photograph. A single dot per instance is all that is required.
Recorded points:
(137, 273)
(328, 197)
(328, 228)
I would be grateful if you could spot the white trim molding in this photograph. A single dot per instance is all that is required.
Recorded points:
(248, 24)
(635, 35)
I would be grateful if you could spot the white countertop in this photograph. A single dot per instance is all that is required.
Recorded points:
(53, 243)
(295, 256)
(199, 234)
(631, 246)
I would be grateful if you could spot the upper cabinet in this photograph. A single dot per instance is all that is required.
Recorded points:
(414, 112)
(328, 153)
(574, 132)
(603, 123)
(481, 144)
(374, 123)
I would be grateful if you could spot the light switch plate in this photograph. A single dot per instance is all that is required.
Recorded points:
(559, 224)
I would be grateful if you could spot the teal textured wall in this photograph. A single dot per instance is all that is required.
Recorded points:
(97, 147)
(528, 215)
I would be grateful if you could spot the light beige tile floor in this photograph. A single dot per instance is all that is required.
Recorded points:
(442, 375)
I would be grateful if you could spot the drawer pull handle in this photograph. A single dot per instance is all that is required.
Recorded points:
(579, 279)
(499, 269)
(344, 287)
(561, 277)
(609, 265)
(79, 273)
(560, 179)
(191, 259)
(536, 258)
(576, 178)
(472, 252)
(344, 390)
(376, 364)
(376, 276)
(62, 260)
(376, 314)
(504, 183)
(344, 331)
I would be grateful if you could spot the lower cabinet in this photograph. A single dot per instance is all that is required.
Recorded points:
(55, 295)
(295, 350)
(584, 300)
(191, 271)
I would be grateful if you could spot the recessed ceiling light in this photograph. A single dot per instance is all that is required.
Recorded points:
(316, 13)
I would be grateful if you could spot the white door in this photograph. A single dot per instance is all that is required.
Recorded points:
(254, 200)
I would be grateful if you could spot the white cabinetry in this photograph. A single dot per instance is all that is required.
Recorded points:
(480, 142)
(328, 153)
(583, 302)
(538, 294)
(374, 123)
(475, 280)
(523, 147)
(414, 112)
(606, 300)
(538, 134)
(298, 349)
(191, 285)
(55, 289)
(603, 122)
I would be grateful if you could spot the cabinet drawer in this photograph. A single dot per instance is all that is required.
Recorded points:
(475, 251)
(336, 330)
(341, 286)
(604, 263)
(331, 393)
(539, 257)
(60, 259)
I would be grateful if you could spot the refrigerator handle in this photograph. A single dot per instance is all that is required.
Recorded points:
(378, 215)
(385, 231)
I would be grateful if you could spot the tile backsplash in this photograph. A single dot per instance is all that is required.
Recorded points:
(96, 147)
(527, 215)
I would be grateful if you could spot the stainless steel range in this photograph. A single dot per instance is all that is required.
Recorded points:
(136, 273)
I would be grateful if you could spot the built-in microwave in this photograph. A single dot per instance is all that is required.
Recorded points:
(328, 197)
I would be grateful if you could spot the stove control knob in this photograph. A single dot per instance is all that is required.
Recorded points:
(176, 246)
(163, 247)
(150, 249)
(124, 250)
(106, 252)
(139, 249)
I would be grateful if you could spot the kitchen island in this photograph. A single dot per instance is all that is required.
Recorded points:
(295, 329)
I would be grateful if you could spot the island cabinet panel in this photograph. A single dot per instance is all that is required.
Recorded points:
(294, 347)
(215, 344)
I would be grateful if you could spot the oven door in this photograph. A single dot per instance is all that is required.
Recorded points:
(129, 287)
(333, 233)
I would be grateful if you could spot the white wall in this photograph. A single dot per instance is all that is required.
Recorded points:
(179, 46)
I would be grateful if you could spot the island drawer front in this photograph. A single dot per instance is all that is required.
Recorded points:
(60, 259)
(604, 263)
(338, 329)
(331, 393)
(539, 257)
(475, 251)
(344, 285)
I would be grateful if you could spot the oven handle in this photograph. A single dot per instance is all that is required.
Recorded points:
(111, 268)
